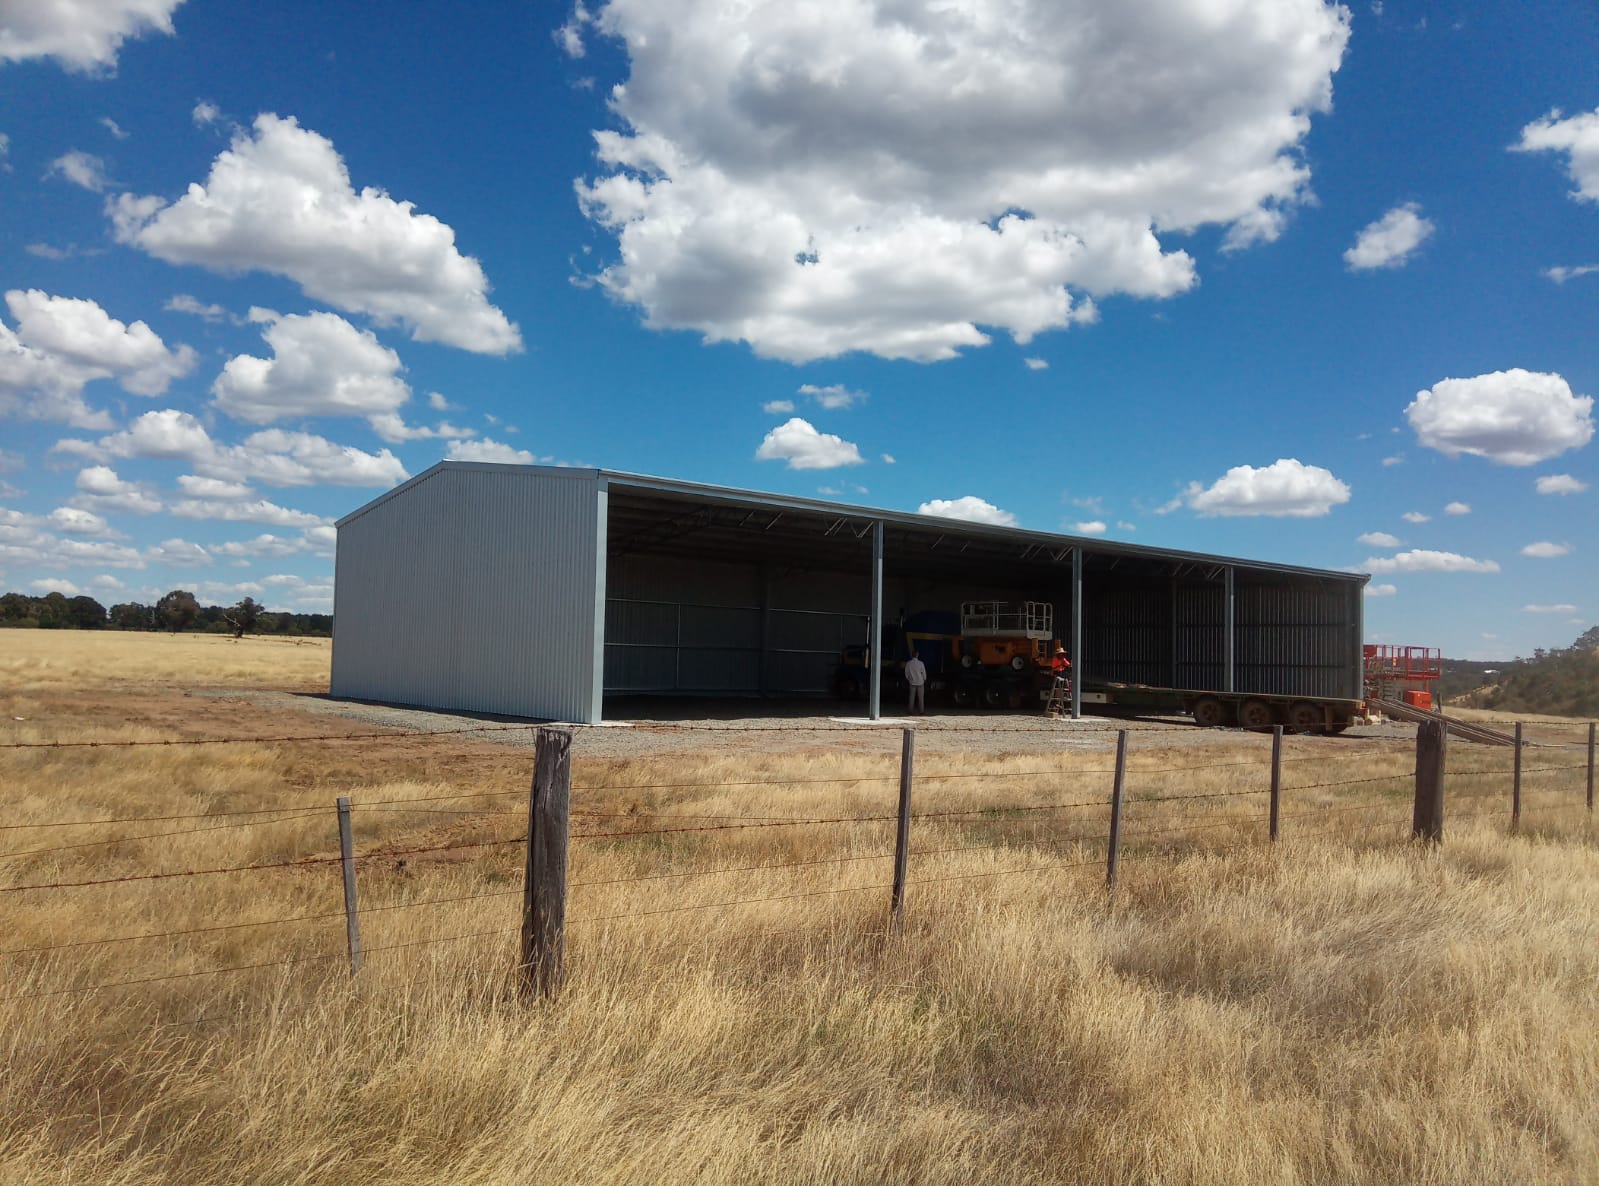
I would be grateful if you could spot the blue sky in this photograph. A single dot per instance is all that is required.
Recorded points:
(1272, 278)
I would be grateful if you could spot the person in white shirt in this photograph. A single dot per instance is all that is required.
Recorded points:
(916, 680)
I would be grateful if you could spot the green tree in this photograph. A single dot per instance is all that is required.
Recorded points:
(16, 608)
(244, 617)
(131, 615)
(52, 611)
(177, 610)
(85, 613)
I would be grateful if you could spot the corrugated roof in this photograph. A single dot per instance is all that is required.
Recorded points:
(1016, 544)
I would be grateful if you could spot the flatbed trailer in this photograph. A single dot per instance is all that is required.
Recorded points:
(1213, 709)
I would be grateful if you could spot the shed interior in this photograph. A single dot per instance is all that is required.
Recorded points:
(712, 596)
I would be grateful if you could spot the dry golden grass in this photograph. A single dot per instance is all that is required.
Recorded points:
(73, 660)
(1343, 1007)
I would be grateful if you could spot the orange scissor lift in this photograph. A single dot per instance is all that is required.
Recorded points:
(1404, 674)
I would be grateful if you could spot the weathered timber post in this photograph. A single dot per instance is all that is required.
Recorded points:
(1427, 820)
(352, 918)
(1276, 779)
(1113, 851)
(1591, 728)
(1515, 783)
(902, 838)
(544, 885)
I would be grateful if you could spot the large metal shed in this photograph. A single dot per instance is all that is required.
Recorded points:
(537, 591)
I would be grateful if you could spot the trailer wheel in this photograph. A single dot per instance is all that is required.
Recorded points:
(963, 696)
(1256, 714)
(1210, 713)
(1306, 717)
(994, 696)
(1018, 662)
(968, 660)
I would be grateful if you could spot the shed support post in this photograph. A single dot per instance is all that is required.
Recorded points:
(874, 644)
(766, 629)
(1077, 634)
(1229, 628)
(1358, 656)
(1173, 636)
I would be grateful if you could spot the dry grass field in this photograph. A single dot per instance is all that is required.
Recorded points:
(1343, 1007)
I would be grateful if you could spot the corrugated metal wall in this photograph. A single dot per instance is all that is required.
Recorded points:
(701, 628)
(1126, 635)
(473, 589)
(1289, 640)
(1296, 640)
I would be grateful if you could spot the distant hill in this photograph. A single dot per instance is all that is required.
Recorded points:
(1462, 676)
(1559, 682)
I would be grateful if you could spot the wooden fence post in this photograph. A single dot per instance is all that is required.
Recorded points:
(1591, 728)
(352, 918)
(1113, 853)
(544, 885)
(902, 838)
(1276, 779)
(1515, 783)
(1427, 820)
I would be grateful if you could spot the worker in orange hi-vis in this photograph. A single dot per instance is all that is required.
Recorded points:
(1061, 666)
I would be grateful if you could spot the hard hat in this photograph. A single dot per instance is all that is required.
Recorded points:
(1059, 650)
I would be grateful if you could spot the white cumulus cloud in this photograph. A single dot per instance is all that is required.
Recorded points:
(82, 35)
(100, 488)
(1577, 136)
(1458, 508)
(1512, 417)
(1416, 517)
(778, 407)
(1546, 550)
(1036, 364)
(490, 450)
(1560, 484)
(275, 457)
(969, 506)
(82, 169)
(1285, 488)
(233, 510)
(834, 396)
(280, 200)
(1562, 608)
(1381, 590)
(321, 365)
(892, 178)
(1391, 240)
(61, 344)
(1378, 539)
(797, 442)
(1423, 560)
(1090, 527)
(182, 302)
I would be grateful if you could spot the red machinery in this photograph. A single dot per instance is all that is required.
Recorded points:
(1406, 674)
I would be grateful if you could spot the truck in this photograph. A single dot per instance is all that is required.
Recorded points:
(997, 655)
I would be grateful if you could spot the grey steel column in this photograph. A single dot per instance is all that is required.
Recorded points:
(1077, 634)
(1229, 628)
(1359, 690)
(874, 654)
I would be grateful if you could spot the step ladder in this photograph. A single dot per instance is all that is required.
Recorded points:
(1060, 696)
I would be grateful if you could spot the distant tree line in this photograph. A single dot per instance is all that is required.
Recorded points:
(176, 611)
(1558, 682)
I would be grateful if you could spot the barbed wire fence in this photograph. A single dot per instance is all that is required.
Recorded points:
(1101, 817)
